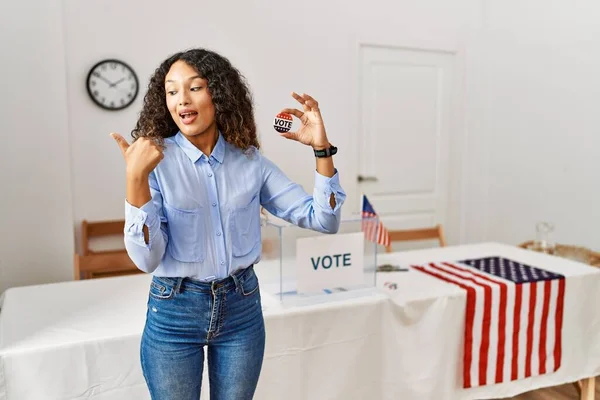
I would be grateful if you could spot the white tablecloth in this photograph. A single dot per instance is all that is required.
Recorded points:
(424, 336)
(80, 339)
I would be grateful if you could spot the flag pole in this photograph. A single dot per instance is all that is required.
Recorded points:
(362, 202)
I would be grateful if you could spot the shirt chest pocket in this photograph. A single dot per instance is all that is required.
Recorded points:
(185, 227)
(245, 228)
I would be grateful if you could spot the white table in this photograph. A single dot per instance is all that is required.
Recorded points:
(81, 339)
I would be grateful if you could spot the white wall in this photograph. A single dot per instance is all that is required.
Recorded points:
(542, 119)
(310, 47)
(36, 219)
(530, 71)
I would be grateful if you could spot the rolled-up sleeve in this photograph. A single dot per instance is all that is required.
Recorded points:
(146, 256)
(324, 188)
(289, 201)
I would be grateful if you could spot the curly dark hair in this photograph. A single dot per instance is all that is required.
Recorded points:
(230, 94)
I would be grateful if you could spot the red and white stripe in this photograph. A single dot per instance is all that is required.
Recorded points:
(374, 229)
(512, 331)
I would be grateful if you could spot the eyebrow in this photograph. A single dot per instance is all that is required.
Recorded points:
(189, 79)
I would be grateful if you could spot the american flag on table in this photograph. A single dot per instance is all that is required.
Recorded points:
(514, 316)
(372, 226)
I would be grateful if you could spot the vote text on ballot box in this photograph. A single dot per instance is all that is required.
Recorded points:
(303, 266)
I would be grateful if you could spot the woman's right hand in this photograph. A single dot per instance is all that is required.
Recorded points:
(141, 157)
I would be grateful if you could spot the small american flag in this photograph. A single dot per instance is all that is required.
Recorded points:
(372, 226)
(514, 316)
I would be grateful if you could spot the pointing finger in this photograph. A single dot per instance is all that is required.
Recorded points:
(123, 145)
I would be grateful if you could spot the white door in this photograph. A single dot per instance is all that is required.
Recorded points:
(404, 135)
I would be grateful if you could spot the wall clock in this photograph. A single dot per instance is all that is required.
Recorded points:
(112, 84)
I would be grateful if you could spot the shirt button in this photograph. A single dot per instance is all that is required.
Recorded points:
(140, 218)
(209, 174)
(214, 204)
(222, 262)
(218, 233)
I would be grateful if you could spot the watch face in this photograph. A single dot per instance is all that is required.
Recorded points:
(112, 84)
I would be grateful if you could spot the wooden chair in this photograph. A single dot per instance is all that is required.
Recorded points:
(436, 232)
(92, 264)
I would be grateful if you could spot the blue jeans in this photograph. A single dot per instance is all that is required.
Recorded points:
(183, 316)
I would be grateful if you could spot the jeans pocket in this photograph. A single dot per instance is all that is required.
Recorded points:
(186, 242)
(249, 285)
(160, 290)
(245, 228)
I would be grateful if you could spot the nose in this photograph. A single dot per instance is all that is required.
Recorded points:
(184, 98)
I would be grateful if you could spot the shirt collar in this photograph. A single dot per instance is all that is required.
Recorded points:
(194, 153)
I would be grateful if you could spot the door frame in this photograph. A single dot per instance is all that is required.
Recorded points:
(457, 189)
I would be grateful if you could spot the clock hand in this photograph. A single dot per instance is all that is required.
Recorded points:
(104, 79)
(117, 82)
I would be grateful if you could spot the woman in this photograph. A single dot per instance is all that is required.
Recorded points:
(195, 185)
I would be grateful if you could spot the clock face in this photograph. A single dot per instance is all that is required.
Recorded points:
(112, 84)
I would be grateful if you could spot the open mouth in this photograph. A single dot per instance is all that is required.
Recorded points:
(188, 117)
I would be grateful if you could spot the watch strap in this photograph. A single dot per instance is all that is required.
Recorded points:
(328, 152)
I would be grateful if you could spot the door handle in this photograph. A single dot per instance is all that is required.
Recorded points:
(367, 178)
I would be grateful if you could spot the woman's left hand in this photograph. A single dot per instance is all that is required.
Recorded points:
(312, 131)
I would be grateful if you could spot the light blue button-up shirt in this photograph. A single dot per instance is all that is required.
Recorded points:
(204, 217)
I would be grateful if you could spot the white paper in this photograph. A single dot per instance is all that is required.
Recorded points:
(329, 262)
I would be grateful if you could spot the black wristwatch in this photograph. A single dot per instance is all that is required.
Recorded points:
(328, 152)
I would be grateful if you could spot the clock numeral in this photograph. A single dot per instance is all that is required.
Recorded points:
(133, 85)
(93, 83)
(96, 93)
(129, 95)
(103, 100)
(112, 103)
(103, 67)
(130, 77)
(122, 101)
(96, 74)
(113, 65)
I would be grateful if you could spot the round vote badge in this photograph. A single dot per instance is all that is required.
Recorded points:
(283, 122)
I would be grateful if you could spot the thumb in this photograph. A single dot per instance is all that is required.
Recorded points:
(123, 145)
(289, 135)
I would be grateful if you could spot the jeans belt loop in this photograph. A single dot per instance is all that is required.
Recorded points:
(237, 283)
(178, 286)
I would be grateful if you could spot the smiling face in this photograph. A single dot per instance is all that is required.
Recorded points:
(189, 100)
